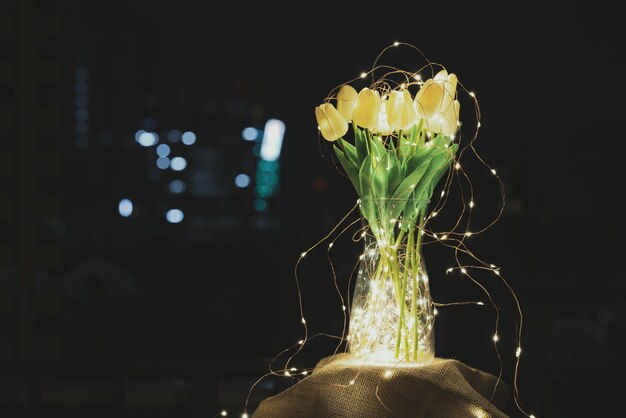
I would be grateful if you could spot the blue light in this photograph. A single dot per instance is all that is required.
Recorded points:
(178, 164)
(163, 163)
(138, 134)
(189, 138)
(173, 135)
(177, 186)
(242, 180)
(125, 208)
(272, 139)
(250, 134)
(174, 216)
(147, 139)
(163, 150)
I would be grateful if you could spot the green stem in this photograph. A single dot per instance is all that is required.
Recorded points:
(401, 305)
(415, 266)
(398, 153)
(343, 147)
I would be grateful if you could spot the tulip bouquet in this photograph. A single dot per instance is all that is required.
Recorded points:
(401, 148)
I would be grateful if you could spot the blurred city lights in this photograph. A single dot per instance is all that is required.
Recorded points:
(250, 134)
(174, 216)
(178, 163)
(163, 150)
(163, 163)
(272, 139)
(177, 186)
(146, 139)
(188, 138)
(125, 208)
(242, 180)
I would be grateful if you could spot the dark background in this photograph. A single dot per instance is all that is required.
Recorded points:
(102, 311)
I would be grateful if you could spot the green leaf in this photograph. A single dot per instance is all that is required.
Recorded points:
(393, 173)
(441, 171)
(378, 148)
(368, 206)
(351, 152)
(405, 189)
(360, 145)
(351, 170)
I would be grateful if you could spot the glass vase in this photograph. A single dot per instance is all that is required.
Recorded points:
(392, 314)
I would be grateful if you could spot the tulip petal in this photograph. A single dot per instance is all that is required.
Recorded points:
(449, 92)
(367, 109)
(449, 123)
(346, 100)
(331, 123)
(441, 76)
(429, 99)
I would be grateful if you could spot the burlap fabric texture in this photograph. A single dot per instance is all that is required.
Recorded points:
(445, 388)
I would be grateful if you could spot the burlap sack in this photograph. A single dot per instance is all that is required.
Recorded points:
(445, 388)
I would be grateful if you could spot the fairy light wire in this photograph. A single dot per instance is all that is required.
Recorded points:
(452, 238)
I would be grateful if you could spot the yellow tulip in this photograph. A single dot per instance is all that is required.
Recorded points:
(331, 123)
(346, 99)
(383, 127)
(436, 105)
(367, 109)
(447, 123)
(400, 111)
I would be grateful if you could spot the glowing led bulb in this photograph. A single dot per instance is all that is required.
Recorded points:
(463, 271)
(303, 255)
(433, 214)
(443, 192)
(330, 245)
(244, 415)
(352, 382)
(435, 236)
(457, 166)
(518, 352)
(472, 94)
(293, 369)
(387, 374)
(479, 303)
(223, 413)
(343, 308)
(468, 234)
(492, 266)
(471, 204)
(287, 373)
(303, 321)
(444, 237)
(435, 311)
(304, 373)
(396, 43)
(478, 124)
(363, 75)
(493, 171)
(448, 271)
(495, 338)
(532, 416)
(417, 77)
(301, 342)
(497, 272)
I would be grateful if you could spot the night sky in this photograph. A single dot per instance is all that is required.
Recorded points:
(220, 284)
